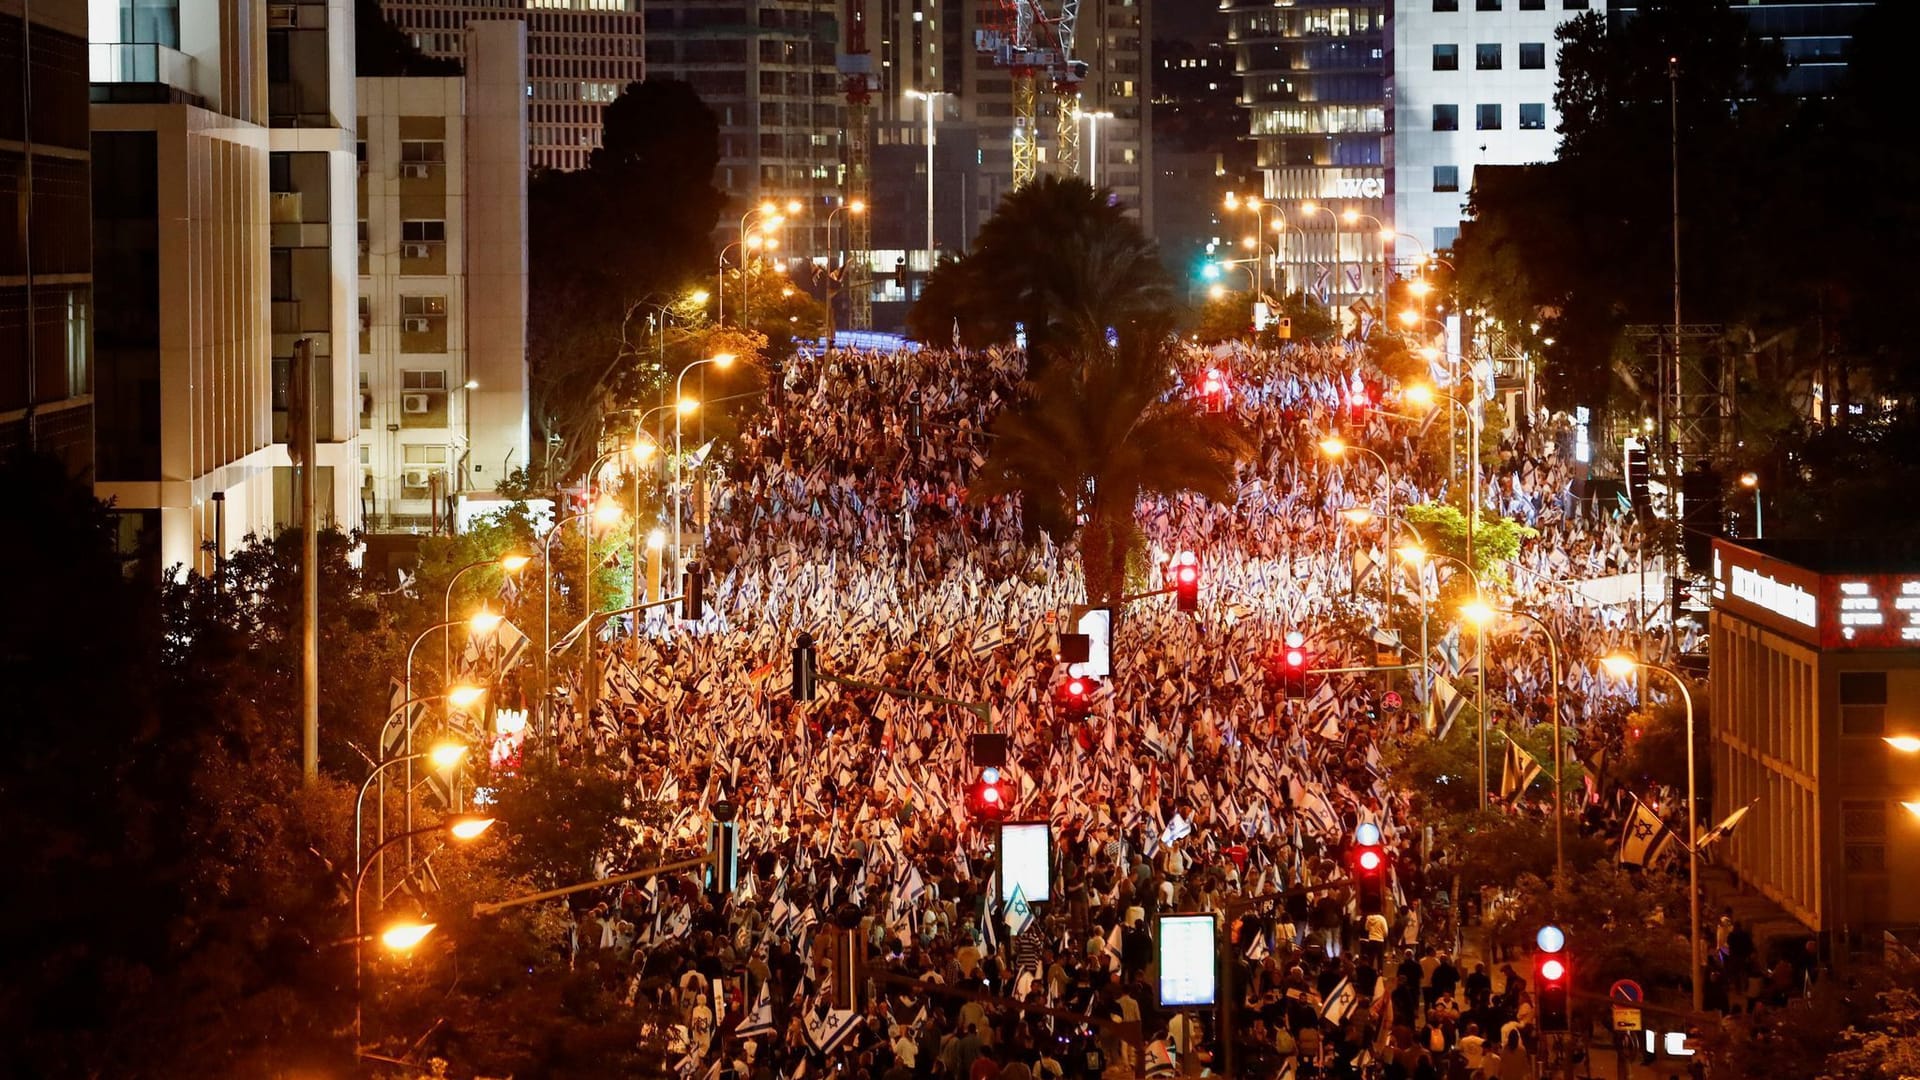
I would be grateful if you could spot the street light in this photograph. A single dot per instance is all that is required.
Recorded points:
(402, 936)
(601, 514)
(1553, 702)
(1335, 447)
(929, 98)
(445, 756)
(1424, 396)
(461, 828)
(513, 562)
(723, 361)
(1619, 665)
(1751, 481)
(1419, 556)
(1311, 207)
(1354, 217)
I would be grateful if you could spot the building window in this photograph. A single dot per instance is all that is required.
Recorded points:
(423, 380)
(1446, 118)
(1486, 5)
(423, 232)
(1487, 117)
(1446, 58)
(1533, 56)
(1533, 116)
(422, 465)
(423, 399)
(1863, 703)
(1446, 5)
(1444, 236)
(1573, 5)
(1487, 57)
(1863, 831)
(1446, 178)
(1533, 5)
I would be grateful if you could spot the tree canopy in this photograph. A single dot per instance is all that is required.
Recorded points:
(1060, 260)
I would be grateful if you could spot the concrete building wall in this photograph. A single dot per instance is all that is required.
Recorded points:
(442, 401)
(1439, 132)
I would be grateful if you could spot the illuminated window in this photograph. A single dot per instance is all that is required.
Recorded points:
(1533, 116)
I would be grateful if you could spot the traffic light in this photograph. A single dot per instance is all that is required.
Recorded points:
(1294, 665)
(1213, 390)
(1359, 404)
(987, 800)
(1552, 980)
(1073, 697)
(806, 667)
(1186, 581)
(1369, 870)
(693, 592)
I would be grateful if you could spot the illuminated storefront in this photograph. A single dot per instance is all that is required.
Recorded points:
(1816, 679)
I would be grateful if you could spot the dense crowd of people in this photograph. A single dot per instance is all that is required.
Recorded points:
(1199, 778)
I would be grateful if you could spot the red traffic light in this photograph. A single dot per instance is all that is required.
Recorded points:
(990, 793)
(1370, 859)
(1213, 383)
(1076, 687)
(1296, 658)
(1552, 970)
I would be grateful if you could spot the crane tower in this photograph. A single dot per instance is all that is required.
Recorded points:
(859, 82)
(1034, 44)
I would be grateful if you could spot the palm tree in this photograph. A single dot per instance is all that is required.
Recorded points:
(1090, 438)
(1063, 261)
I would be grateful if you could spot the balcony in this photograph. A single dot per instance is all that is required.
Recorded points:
(140, 73)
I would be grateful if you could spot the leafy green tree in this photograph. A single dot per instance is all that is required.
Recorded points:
(1088, 439)
(1059, 259)
(1495, 539)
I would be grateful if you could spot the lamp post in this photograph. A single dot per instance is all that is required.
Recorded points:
(445, 756)
(1425, 396)
(1751, 481)
(1477, 611)
(1316, 208)
(480, 622)
(1335, 447)
(1619, 665)
(604, 512)
(461, 829)
(461, 697)
(1553, 702)
(722, 361)
(928, 98)
(1355, 217)
(512, 563)
(855, 208)
(1259, 208)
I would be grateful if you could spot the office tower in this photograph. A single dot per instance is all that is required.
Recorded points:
(1313, 84)
(443, 283)
(580, 55)
(46, 281)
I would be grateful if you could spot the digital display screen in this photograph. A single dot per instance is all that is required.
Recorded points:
(1026, 860)
(1186, 954)
(1097, 624)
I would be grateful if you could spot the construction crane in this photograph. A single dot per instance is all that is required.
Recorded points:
(1034, 45)
(857, 78)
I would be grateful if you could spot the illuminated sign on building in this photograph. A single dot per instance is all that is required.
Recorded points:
(1776, 596)
(1829, 611)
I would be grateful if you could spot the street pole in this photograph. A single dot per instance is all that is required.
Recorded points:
(301, 446)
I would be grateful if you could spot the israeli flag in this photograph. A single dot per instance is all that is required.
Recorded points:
(1019, 913)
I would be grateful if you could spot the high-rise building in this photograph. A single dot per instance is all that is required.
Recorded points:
(1314, 87)
(767, 69)
(223, 235)
(1471, 84)
(46, 290)
(1201, 154)
(1813, 35)
(443, 282)
(580, 55)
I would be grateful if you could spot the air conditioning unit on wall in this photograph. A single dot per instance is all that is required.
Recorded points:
(417, 326)
(416, 478)
(413, 170)
(416, 404)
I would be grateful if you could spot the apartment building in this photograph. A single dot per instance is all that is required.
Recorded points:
(443, 283)
(223, 235)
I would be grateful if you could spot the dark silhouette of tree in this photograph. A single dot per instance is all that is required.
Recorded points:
(1089, 437)
(1060, 260)
(635, 226)
(380, 49)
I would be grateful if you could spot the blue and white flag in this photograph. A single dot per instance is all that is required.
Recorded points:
(1019, 913)
(760, 1021)
(828, 1028)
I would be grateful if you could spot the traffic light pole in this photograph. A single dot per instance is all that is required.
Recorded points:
(982, 709)
(492, 907)
(1227, 945)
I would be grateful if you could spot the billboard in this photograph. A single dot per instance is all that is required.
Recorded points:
(1185, 944)
(1026, 860)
